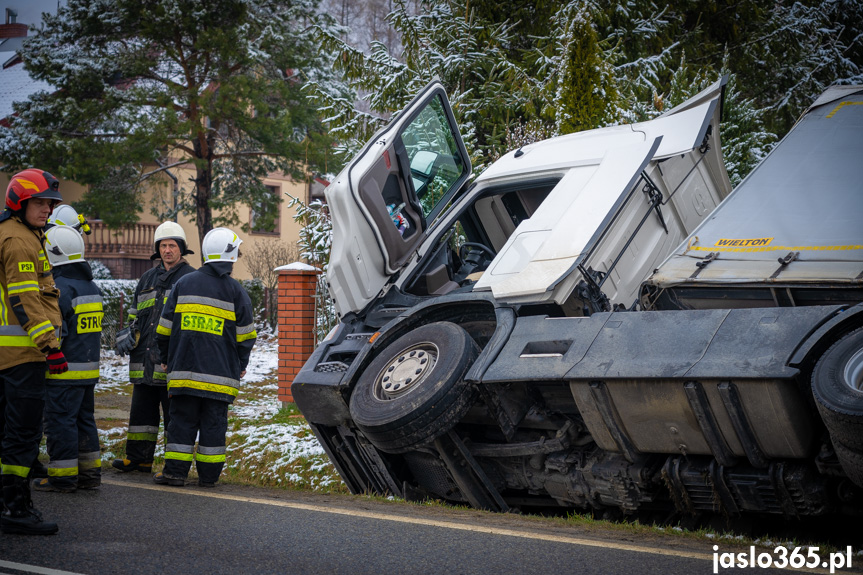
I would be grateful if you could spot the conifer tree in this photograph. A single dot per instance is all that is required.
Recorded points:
(144, 86)
(586, 95)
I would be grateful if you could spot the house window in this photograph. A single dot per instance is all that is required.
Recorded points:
(264, 214)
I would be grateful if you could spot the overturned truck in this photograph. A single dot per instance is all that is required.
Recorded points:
(583, 328)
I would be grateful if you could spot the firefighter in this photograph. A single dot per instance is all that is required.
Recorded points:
(205, 336)
(138, 340)
(29, 342)
(70, 423)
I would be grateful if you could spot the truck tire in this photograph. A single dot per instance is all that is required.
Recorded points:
(851, 462)
(413, 391)
(837, 384)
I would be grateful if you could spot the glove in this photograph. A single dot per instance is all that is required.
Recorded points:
(57, 363)
(125, 341)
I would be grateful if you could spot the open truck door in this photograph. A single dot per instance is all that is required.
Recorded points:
(384, 200)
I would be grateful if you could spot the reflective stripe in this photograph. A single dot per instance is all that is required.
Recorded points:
(16, 341)
(162, 330)
(212, 450)
(204, 382)
(206, 301)
(20, 287)
(179, 456)
(210, 458)
(18, 470)
(13, 330)
(191, 384)
(91, 460)
(241, 337)
(147, 301)
(205, 309)
(63, 468)
(136, 370)
(166, 323)
(88, 307)
(80, 300)
(39, 329)
(4, 319)
(160, 375)
(143, 432)
(89, 370)
(180, 448)
(204, 377)
(15, 336)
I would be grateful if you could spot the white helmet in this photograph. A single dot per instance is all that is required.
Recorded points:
(170, 231)
(64, 245)
(221, 245)
(63, 215)
(66, 215)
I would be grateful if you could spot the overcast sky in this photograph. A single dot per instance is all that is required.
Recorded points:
(29, 11)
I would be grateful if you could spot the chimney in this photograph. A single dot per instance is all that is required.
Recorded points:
(11, 29)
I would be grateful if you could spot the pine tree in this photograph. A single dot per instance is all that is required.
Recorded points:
(142, 86)
(445, 40)
(522, 71)
(586, 93)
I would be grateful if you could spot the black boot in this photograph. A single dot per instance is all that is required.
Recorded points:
(38, 470)
(20, 516)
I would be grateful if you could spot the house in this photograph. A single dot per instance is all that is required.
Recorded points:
(127, 252)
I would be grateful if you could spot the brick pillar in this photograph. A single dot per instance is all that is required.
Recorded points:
(297, 283)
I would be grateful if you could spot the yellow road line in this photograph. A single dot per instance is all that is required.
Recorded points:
(618, 546)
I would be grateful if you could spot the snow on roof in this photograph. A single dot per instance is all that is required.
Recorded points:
(16, 85)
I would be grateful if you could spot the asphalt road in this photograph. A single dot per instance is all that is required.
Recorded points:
(131, 526)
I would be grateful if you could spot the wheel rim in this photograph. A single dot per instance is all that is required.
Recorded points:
(854, 371)
(406, 371)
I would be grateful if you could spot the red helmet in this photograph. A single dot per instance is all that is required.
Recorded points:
(31, 183)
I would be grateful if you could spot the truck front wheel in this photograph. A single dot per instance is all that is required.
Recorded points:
(413, 391)
(837, 384)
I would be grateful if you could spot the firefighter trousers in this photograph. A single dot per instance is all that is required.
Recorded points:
(22, 398)
(144, 421)
(206, 419)
(73, 439)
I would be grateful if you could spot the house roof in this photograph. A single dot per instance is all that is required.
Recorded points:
(12, 44)
(15, 83)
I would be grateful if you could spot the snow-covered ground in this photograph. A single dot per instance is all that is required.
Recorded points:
(265, 443)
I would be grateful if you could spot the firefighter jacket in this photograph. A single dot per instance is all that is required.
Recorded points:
(81, 308)
(29, 310)
(150, 296)
(206, 334)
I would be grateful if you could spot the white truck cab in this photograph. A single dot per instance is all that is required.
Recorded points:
(595, 210)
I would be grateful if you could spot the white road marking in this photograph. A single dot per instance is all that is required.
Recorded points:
(34, 569)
